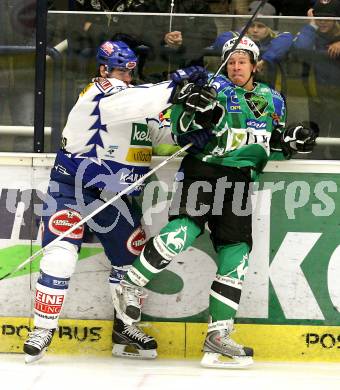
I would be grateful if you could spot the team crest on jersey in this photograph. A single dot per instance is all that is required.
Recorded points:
(256, 103)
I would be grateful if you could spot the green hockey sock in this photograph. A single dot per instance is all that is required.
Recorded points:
(226, 289)
(158, 252)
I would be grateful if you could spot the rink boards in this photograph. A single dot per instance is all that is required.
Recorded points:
(290, 304)
(184, 340)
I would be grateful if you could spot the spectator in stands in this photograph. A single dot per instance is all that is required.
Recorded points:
(187, 38)
(149, 37)
(318, 44)
(83, 33)
(182, 43)
(273, 45)
(86, 30)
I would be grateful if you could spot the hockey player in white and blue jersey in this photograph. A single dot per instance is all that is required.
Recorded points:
(106, 146)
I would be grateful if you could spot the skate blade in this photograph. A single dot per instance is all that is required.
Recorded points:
(216, 360)
(120, 350)
(31, 359)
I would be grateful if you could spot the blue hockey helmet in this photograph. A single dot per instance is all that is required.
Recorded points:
(116, 55)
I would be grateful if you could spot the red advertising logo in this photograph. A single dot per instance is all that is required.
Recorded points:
(63, 220)
(48, 303)
(136, 241)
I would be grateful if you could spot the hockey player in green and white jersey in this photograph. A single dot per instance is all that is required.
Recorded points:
(232, 125)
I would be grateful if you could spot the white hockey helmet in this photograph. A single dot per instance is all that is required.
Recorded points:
(245, 44)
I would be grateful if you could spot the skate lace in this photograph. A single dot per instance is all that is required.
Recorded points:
(227, 341)
(40, 337)
(133, 331)
(133, 294)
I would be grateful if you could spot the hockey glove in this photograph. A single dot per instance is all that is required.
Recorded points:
(200, 99)
(198, 139)
(193, 74)
(298, 138)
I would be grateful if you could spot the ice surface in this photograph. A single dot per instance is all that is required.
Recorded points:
(92, 373)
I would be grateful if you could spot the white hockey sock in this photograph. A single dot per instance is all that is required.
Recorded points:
(49, 297)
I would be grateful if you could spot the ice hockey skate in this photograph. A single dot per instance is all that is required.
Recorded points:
(36, 344)
(127, 300)
(221, 351)
(130, 341)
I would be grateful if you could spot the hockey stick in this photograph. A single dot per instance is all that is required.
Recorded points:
(171, 14)
(238, 40)
(99, 209)
(60, 47)
(170, 28)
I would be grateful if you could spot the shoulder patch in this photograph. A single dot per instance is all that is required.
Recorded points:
(103, 84)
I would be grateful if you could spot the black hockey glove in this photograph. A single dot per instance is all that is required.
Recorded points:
(298, 138)
(198, 139)
(200, 99)
(193, 74)
(181, 94)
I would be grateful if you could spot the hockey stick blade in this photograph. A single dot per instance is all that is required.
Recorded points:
(98, 210)
(238, 40)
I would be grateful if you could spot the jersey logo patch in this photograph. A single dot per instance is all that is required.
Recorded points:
(111, 151)
(139, 155)
(233, 104)
(140, 135)
(104, 83)
(256, 103)
(256, 125)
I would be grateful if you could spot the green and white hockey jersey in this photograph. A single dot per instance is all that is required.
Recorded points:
(242, 123)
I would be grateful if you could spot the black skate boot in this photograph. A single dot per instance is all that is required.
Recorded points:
(36, 344)
(218, 344)
(130, 341)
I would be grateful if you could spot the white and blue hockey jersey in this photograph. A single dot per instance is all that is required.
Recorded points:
(110, 132)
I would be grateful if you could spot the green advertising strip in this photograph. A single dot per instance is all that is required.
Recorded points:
(13, 256)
